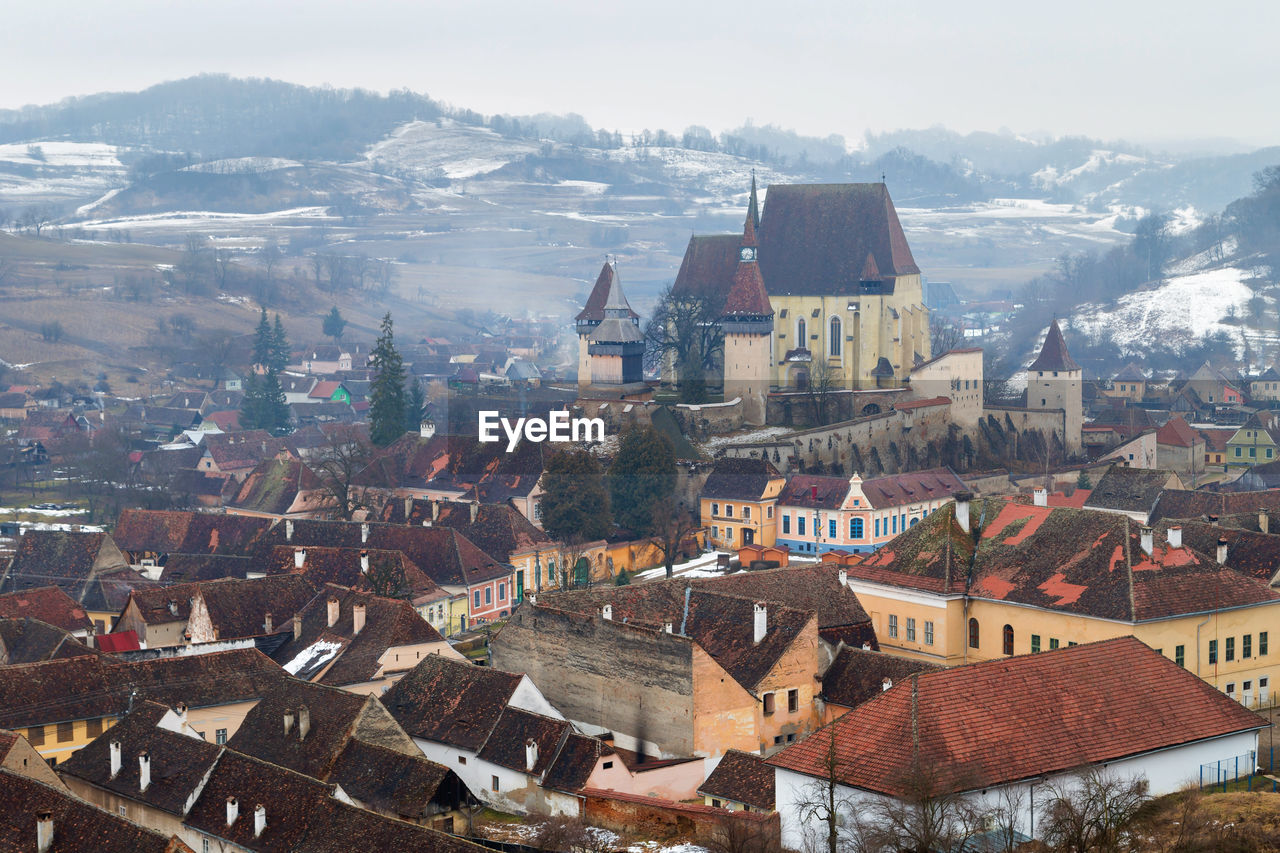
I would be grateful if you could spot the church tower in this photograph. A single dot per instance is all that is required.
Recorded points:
(748, 328)
(1054, 382)
(615, 347)
(591, 316)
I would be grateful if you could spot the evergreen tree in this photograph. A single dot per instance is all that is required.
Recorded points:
(575, 502)
(262, 341)
(643, 474)
(279, 347)
(386, 395)
(251, 404)
(333, 324)
(415, 406)
(274, 406)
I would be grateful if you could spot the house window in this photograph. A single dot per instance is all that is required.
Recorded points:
(728, 510)
(66, 732)
(1180, 655)
(488, 595)
(35, 734)
(895, 524)
(220, 737)
(746, 513)
(715, 509)
(855, 528)
(973, 633)
(204, 845)
(1053, 642)
(911, 629)
(1213, 651)
(608, 765)
(833, 340)
(1237, 452)
(802, 333)
(928, 633)
(786, 524)
(493, 783)
(1262, 643)
(1008, 639)
(728, 534)
(502, 592)
(831, 529)
(1246, 646)
(793, 701)
(768, 511)
(893, 625)
(462, 759)
(1231, 649)
(715, 803)
(877, 528)
(477, 598)
(768, 703)
(93, 728)
(124, 810)
(1231, 689)
(800, 525)
(1035, 644)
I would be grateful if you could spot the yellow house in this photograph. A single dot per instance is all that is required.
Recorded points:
(738, 502)
(1129, 384)
(1045, 577)
(1254, 443)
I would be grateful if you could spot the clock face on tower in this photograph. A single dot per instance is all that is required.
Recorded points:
(748, 253)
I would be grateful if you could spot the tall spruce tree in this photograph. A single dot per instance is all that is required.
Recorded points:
(414, 406)
(643, 474)
(279, 347)
(262, 341)
(386, 395)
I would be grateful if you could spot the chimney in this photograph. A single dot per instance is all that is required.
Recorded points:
(866, 647)
(333, 611)
(288, 530)
(304, 722)
(533, 598)
(364, 562)
(288, 722)
(408, 509)
(1264, 520)
(1222, 552)
(962, 510)
(115, 758)
(364, 532)
(297, 627)
(475, 510)
(233, 810)
(181, 710)
(667, 627)
(1040, 496)
(530, 755)
(299, 558)
(435, 510)
(267, 624)
(1148, 541)
(606, 612)
(844, 577)
(357, 619)
(144, 771)
(259, 820)
(813, 493)
(885, 683)
(761, 622)
(1175, 537)
(44, 831)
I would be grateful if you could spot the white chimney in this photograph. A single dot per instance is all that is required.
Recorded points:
(259, 820)
(475, 510)
(1148, 540)
(844, 577)
(866, 647)
(304, 722)
(181, 710)
(435, 510)
(144, 771)
(1264, 520)
(364, 533)
(267, 624)
(297, 627)
(115, 758)
(364, 562)
(606, 612)
(533, 598)
(530, 755)
(1222, 552)
(1040, 496)
(761, 622)
(885, 683)
(1175, 537)
(333, 611)
(44, 831)
(288, 530)
(233, 810)
(357, 619)
(299, 558)
(288, 721)
(667, 627)
(962, 509)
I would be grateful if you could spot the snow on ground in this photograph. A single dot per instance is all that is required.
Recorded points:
(1177, 313)
(723, 175)
(701, 566)
(716, 442)
(51, 513)
(658, 847)
(447, 149)
(62, 154)
(242, 165)
(204, 218)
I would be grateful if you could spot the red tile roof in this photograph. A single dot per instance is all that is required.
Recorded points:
(48, 604)
(1101, 711)
(1053, 354)
(914, 487)
(1176, 433)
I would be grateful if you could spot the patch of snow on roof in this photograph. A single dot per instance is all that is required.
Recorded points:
(313, 657)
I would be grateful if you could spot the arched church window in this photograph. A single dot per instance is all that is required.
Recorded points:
(835, 340)
(802, 333)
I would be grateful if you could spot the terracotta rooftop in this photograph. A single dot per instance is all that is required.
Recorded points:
(280, 485)
(172, 532)
(593, 311)
(1186, 504)
(28, 640)
(913, 487)
(1101, 712)
(48, 604)
(1125, 489)
(735, 478)
(498, 529)
(451, 702)
(857, 675)
(346, 566)
(812, 491)
(743, 778)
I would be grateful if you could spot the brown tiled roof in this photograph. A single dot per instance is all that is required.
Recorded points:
(237, 451)
(184, 568)
(77, 826)
(1103, 693)
(1129, 489)
(344, 566)
(48, 604)
(274, 486)
(707, 270)
(388, 622)
(1216, 439)
(170, 532)
(575, 763)
(1053, 353)
(451, 702)
(62, 558)
(410, 461)
(165, 604)
(857, 675)
(499, 530)
(1186, 504)
(743, 778)
(1177, 433)
(30, 640)
(814, 492)
(505, 745)
(179, 762)
(593, 311)
(1131, 373)
(1074, 561)
(912, 487)
(389, 780)
(815, 588)
(737, 478)
(1248, 552)
(747, 294)
(238, 608)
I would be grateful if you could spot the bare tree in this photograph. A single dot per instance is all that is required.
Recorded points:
(672, 524)
(932, 813)
(743, 833)
(824, 381)
(1092, 812)
(345, 454)
(271, 257)
(573, 835)
(684, 338)
(824, 802)
(222, 267)
(944, 335)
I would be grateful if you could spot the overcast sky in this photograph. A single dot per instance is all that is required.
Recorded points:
(1140, 70)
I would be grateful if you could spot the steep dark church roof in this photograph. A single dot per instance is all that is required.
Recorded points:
(1054, 355)
(747, 296)
(599, 298)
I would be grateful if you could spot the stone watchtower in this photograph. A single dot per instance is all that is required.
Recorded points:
(592, 315)
(1054, 382)
(747, 323)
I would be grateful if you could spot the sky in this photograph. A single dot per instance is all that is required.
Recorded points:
(1142, 71)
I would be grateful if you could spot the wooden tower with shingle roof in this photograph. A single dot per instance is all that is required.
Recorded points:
(748, 329)
(1054, 382)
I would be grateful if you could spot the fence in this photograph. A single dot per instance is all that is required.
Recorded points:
(1229, 770)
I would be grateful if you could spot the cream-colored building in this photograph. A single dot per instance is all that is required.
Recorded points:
(956, 375)
(1054, 382)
